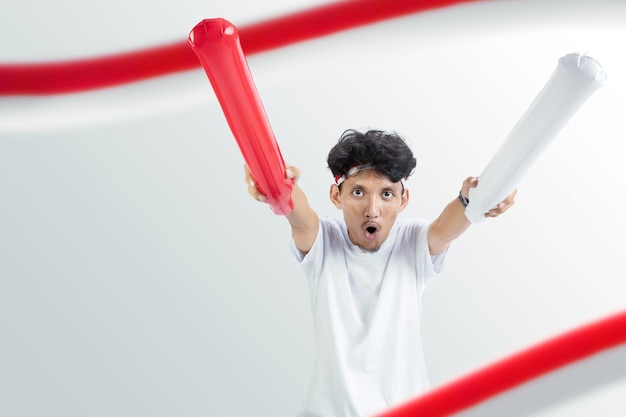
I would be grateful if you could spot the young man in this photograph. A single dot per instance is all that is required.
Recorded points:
(366, 273)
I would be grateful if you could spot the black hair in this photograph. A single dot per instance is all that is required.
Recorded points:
(386, 152)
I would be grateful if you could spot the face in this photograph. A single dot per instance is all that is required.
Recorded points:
(370, 203)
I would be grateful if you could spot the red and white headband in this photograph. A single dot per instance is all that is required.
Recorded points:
(358, 168)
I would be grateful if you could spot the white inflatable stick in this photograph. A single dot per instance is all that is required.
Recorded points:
(576, 77)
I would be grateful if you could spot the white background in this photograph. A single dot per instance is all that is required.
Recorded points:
(137, 277)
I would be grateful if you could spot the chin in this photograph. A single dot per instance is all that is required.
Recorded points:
(369, 247)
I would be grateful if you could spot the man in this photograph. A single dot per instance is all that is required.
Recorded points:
(366, 273)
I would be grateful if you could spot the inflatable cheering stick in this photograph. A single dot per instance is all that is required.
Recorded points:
(216, 43)
(572, 83)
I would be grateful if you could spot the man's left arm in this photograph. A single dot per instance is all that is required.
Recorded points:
(452, 222)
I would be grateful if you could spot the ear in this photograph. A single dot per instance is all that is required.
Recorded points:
(405, 200)
(335, 196)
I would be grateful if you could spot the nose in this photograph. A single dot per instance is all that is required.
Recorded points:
(372, 208)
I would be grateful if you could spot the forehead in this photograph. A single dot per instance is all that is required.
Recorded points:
(370, 179)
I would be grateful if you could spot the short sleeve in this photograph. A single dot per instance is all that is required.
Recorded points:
(438, 261)
(429, 265)
(311, 263)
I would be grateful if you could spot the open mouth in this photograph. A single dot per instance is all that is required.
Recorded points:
(371, 231)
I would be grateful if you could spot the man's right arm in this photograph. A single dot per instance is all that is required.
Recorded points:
(303, 219)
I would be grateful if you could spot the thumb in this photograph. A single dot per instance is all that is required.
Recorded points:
(292, 173)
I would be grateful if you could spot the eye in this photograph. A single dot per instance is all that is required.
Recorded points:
(357, 193)
(387, 194)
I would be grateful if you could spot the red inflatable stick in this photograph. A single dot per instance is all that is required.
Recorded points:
(216, 43)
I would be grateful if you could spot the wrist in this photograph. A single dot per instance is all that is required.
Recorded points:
(464, 200)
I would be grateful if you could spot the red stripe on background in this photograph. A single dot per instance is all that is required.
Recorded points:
(108, 71)
(518, 369)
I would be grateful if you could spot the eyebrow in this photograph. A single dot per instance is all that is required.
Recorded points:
(385, 188)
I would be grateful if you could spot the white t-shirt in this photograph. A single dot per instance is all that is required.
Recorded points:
(366, 313)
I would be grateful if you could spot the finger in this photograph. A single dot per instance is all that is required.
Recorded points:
(504, 206)
(248, 178)
(492, 213)
(499, 209)
(511, 197)
(254, 192)
(292, 172)
(507, 202)
(470, 182)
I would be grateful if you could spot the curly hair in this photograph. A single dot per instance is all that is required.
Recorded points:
(386, 152)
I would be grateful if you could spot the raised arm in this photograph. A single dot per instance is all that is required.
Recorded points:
(452, 222)
(303, 219)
